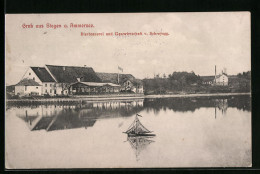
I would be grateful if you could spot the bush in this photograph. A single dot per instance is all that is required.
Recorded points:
(9, 96)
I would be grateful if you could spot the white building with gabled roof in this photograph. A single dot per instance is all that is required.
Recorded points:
(43, 77)
(28, 87)
(221, 80)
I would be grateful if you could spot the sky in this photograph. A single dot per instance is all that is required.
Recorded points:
(196, 42)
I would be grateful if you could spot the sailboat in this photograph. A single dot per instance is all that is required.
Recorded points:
(137, 129)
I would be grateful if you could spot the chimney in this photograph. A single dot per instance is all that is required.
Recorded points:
(225, 70)
(85, 66)
(64, 68)
(78, 79)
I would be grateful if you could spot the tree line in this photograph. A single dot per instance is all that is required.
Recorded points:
(188, 82)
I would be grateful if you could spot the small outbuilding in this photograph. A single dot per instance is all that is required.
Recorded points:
(28, 87)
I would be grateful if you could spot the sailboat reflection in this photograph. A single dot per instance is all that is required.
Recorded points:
(139, 143)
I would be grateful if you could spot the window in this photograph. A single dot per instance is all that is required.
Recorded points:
(50, 90)
(33, 78)
(36, 87)
(46, 85)
(25, 88)
(45, 90)
(29, 74)
(50, 85)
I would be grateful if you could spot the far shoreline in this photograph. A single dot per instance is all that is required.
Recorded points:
(196, 95)
(122, 97)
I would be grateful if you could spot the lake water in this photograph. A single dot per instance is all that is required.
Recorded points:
(190, 132)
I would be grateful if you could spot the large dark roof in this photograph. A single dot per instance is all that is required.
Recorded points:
(210, 78)
(69, 74)
(28, 82)
(113, 78)
(207, 78)
(43, 74)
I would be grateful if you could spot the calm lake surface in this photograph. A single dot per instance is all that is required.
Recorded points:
(190, 132)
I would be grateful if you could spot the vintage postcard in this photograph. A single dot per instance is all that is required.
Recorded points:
(128, 90)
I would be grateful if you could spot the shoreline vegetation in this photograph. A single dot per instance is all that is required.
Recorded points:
(177, 84)
(120, 97)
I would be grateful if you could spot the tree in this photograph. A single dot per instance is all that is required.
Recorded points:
(164, 76)
(185, 78)
(245, 75)
(176, 81)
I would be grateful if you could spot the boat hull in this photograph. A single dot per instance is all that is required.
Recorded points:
(141, 135)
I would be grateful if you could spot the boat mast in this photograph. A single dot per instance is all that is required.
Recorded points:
(136, 119)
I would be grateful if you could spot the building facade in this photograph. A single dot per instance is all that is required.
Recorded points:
(41, 76)
(28, 87)
(87, 88)
(127, 82)
(221, 80)
(57, 80)
(133, 86)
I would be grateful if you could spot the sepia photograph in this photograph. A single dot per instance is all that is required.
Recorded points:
(128, 90)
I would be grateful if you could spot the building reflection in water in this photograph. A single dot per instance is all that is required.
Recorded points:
(222, 105)
(191, 104)
(56, 117)
(139, 143)
(59, 117)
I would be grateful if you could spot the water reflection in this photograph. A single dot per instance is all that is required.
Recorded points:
(203, 131)
(221, 104)
(139, 143)
(191, 104)
(58, 117)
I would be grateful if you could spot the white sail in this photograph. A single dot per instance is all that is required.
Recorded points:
(136, 127)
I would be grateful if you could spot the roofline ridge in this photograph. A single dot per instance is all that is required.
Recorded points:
(70, 66)
(28, 79)
(47, 69)
(113, 73)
